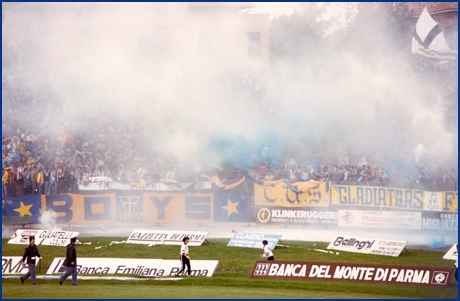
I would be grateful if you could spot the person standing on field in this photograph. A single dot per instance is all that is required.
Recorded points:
(30, 253)
(268, 254)
(70, 262)
(184, 257)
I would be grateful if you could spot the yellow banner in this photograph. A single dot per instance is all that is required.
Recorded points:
(177, 207)
(395, 198)
(282, 195)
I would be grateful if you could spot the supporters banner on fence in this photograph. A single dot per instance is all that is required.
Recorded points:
(130, 206)
(374, 246)
(403, 220)
(294, 216)
(29, 205)
(394, 198)
(231, 205)
(440, 221)
(177, 207)
(368, 273)
(81, 208)
(282, 195)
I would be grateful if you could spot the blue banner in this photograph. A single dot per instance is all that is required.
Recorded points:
(231, 205)
(26, 205)
(253, 240)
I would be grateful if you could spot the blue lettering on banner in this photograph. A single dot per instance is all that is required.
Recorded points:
(161, 205)
(448, 201)
(91, 202)
(51, 201)
(197, 207)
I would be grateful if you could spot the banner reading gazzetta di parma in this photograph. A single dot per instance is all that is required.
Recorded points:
(370, 273)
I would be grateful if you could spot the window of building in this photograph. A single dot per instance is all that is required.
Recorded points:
(254, 44)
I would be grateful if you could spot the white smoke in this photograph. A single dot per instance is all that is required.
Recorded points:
(48, 221)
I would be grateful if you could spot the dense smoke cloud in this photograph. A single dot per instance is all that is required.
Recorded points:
(98, 59)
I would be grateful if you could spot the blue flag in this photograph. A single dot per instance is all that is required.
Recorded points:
(29, 205)
(231, 205)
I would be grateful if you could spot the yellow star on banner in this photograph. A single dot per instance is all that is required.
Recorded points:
(24, 209)
(231, 207)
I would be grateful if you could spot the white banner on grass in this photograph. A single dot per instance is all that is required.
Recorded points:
(13, 265)
(380, 219)
(21, 236)
(355, 244)
(57, 238)
(134, 266)
(452, 254)
(167, 237)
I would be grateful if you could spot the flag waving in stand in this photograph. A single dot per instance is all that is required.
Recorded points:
(429, 41)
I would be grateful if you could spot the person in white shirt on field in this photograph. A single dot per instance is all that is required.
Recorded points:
(268, 254)
(184, 258)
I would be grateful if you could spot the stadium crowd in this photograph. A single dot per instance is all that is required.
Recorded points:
(48, 153)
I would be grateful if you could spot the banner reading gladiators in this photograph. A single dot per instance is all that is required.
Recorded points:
(308, 194)
(370, 273)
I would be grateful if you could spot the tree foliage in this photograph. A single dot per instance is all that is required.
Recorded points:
(299, 35)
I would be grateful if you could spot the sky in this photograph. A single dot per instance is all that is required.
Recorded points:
(275, 9)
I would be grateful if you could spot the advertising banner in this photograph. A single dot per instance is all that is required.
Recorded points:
(168, 237)
(368, 246)
(21, 236)
(403, 220)
(57, 238)
(133, 266)
(452, 254)
(294, 215)
(253, 240)
(440, 221)
(13, 265)
(370, 273)
(283, 196)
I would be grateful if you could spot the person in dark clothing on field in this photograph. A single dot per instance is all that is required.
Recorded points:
(184, 258)
(30, 253)
(70, 262)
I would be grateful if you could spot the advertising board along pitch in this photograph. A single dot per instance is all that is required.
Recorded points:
(452, 254)
(43, 237)
(253, 240)
(133, 266)
(13, 265)
(375, 246)
(167, 237)
(369, 273)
